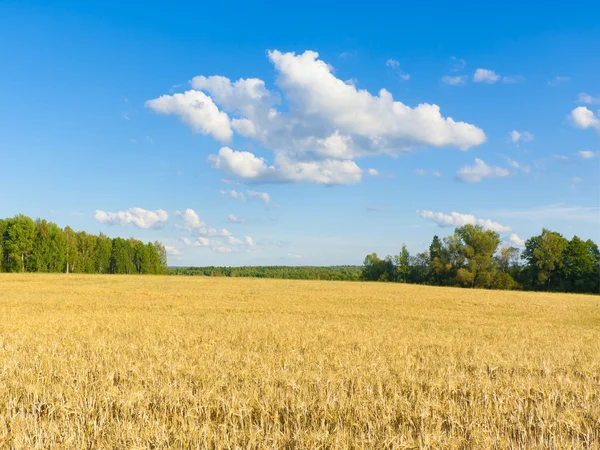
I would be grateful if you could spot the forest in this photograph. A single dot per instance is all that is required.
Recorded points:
(472, 257)
(348, 273)
(28, 245)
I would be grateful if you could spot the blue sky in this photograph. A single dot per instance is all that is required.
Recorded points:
(140, 119)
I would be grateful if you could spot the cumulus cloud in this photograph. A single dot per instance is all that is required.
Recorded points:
(583, 118)
(520, 136)
(491, 77)
(373, 172)
(325, 124)
(191, 222)
(588, 99)
(485, 76)
(197, 110)
(173, 251)
(587, 154)
(455, 219)
(233, 219)
(515, 241)
(137, 217)
(458, 80)
(478, 171)
(254, 169)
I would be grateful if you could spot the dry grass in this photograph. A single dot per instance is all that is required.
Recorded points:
(171, 362)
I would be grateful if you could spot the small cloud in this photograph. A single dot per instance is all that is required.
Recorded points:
(515, 241)
(485, 76)
(423, 172)
(454, 81)
(133, 141)
(587, 154)
(455, 219)
(149, 140)
(558, 80)
(174, 251)
(392, 63)
(126, 116)
(138, 217)
(347, 54)
(583, 118)
(233, 219)
(372, 208)
(478, 171)
(373, 172)
(588, 99)
(395, 65)
(561, 158)
(511, 80)
(517, 165)
(520, 136)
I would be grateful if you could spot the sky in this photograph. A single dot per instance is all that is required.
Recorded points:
(261, 134)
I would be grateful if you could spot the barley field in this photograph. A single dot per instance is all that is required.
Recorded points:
(137, 362)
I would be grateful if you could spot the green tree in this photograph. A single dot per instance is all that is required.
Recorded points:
(544, 256)
(402, 262)
(19, 241)
(477, 247)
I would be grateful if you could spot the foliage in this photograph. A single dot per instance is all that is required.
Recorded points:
(41, 246)
(471, 257)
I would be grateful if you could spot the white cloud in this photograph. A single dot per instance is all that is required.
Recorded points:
(517, 165)
(584, 118)
(575, 180)
(515, 241)
(249, 241)
(196, 227)
(174, 251)
(373, 172)
(454, 81)
(233, 219)
(480, 170)
(588, 99)
(455, 219)
(138, 217)
(234, 194)
(252, 168)
(512, 79)
(392, 63)
(190, 220)
(198, 242)
(324, 125)
(197, 110)
(587, 154)
(485, 76)
(232, 240)
(561, 158)
(262, 196)
(423, 172)
(520, 136)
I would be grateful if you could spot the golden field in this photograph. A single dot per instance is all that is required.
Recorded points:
(189, 362)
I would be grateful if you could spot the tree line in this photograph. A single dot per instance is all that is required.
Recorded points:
(472, 257)
(347, 273)
(28, 245)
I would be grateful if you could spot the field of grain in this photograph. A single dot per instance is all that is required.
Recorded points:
(189, 362)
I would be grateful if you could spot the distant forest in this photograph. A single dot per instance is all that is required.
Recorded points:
(471, 257)
(40, 246)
